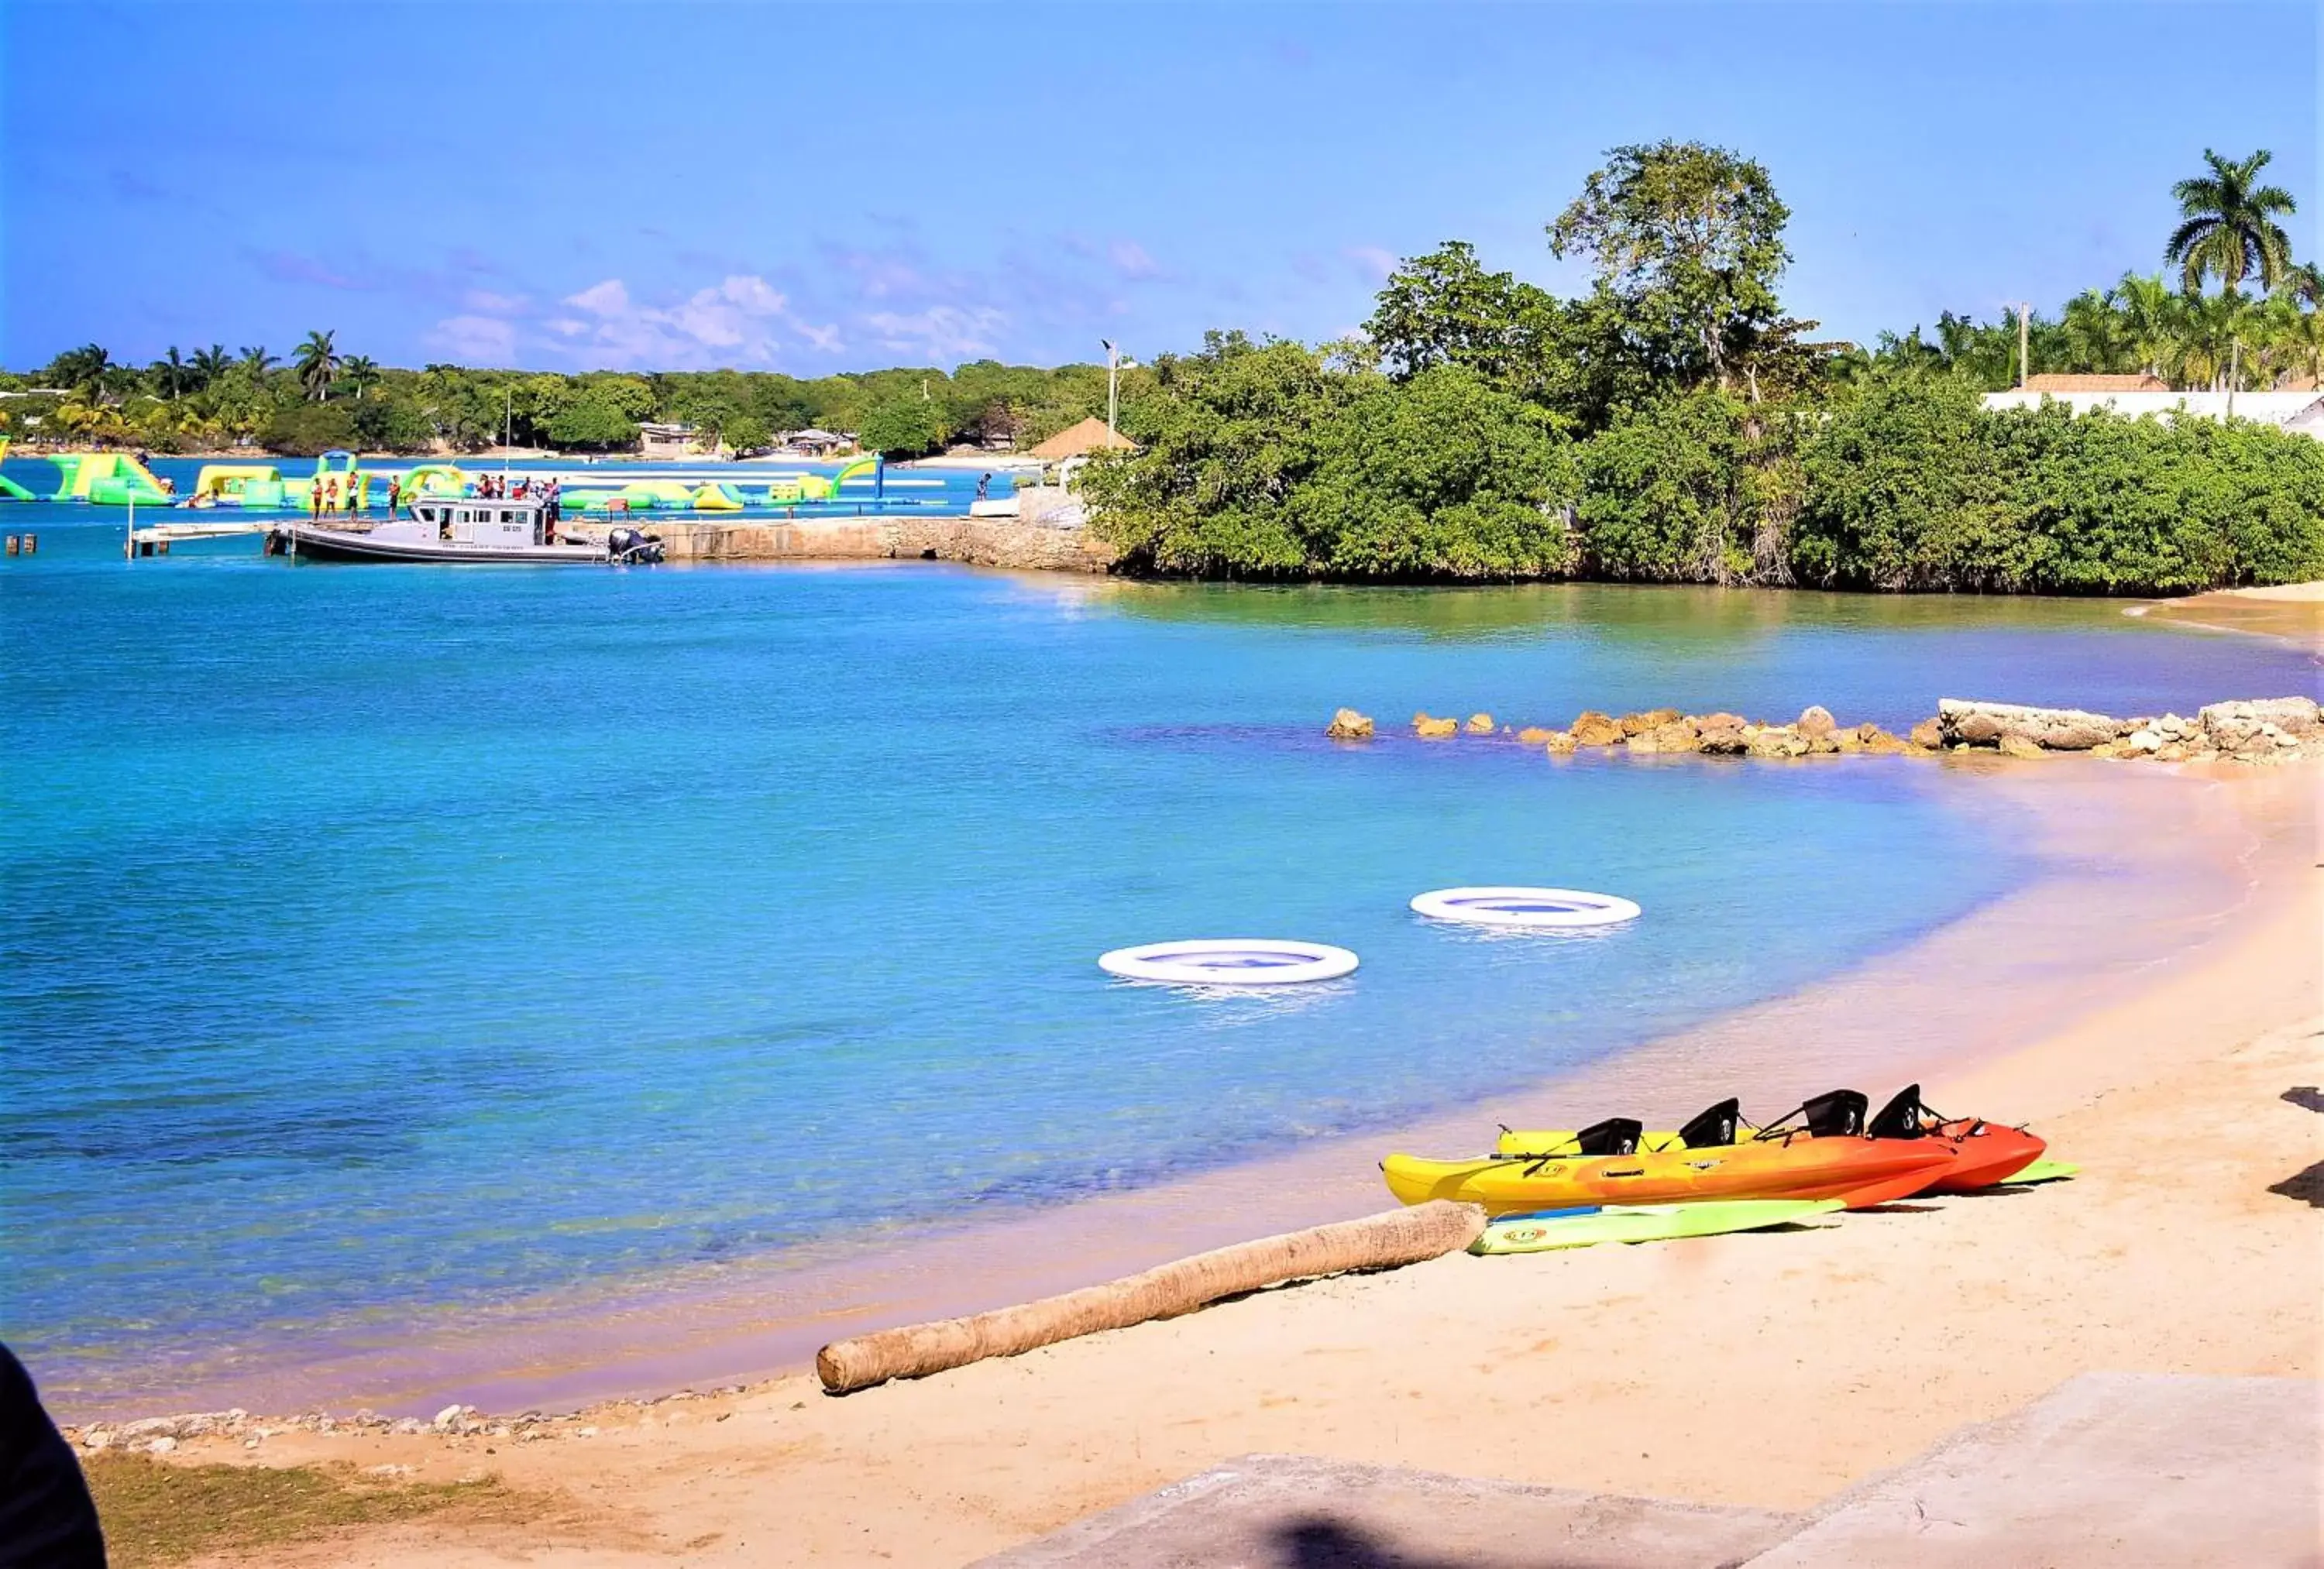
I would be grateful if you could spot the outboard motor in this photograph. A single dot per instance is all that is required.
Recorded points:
(627, 547)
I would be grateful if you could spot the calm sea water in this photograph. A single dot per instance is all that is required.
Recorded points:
(378, 936)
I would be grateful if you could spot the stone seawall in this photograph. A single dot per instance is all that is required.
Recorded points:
(977, 541)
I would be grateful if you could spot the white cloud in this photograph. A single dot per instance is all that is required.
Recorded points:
(485, 301)
(474, 340)
(940, 332)
(1130, 260)
(732, 322)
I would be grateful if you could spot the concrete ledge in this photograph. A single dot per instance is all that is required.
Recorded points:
(978, 541)
(2161, 1471)
(1269, 1509)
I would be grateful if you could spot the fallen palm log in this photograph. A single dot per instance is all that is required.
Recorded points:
(1377, 1242)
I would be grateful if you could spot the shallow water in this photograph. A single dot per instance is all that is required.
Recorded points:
(382, 937)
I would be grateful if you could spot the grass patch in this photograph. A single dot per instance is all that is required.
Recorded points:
(156, 1513)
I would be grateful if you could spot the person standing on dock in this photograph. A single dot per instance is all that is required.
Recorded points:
(315, 499)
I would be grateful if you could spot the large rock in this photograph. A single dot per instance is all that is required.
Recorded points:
(1479, 724)
(1430, 728)
(1533, 736)
(1777, 741)
(1348, 725)
(1815, 722)
(1636, 724)
(2255, 726)
(2056, 729)
(1559, 744)
(1928, 735)
(2014, 745)
(1593, 728)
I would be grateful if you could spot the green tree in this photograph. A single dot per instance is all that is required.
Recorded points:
(1439, 476)
(173, 376)
(1663, 498)
(2229, 228)
(360, 373)
(306, 429)
(87, 369)
(1687, 239)
(1444, 309)
(905, 426)
(317, 364)
(747, 432)
(592, 422)
(211, 363)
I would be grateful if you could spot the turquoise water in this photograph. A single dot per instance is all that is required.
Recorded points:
(382, 937)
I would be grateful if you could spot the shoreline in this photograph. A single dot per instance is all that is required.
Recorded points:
(2139, 875)
(1857, 1344)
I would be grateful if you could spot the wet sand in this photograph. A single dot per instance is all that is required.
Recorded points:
(2146, 1006)
(2294, 612)
(2143, 869)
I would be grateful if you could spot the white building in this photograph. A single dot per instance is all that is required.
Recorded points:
(2295, 412)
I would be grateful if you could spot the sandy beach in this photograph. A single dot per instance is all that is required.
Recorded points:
(2146, 1006)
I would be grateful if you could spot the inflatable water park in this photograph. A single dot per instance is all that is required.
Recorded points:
(341, 483)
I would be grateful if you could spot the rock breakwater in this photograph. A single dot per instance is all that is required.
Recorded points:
(2247, 730)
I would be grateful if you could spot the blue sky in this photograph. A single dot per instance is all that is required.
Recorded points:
(826, 187)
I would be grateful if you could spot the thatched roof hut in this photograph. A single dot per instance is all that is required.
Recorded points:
(1091, 434)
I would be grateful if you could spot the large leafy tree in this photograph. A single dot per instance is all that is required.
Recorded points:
(1444, 309)
(211, 363)
(2229, 230)
(317, 364)
(1688, 239)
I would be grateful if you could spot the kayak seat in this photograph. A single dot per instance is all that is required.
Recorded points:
(1614, 1136)
(1712, 1128)
(1905, 1117)
(1837, 1115)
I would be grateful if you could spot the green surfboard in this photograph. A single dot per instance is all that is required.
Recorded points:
(2042, 1170)
(1641, 1223)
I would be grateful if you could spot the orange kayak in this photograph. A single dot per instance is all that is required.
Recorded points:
(1986, 1153)
(1607, 1168)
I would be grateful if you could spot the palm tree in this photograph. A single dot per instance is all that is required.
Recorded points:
(2230, 227)
(173, 375)
(2304, 283)
(361, 372)
(212, 362)
(317, 361)
(2151, 319)
(2092, 328)
(257, 361)
(85, 370)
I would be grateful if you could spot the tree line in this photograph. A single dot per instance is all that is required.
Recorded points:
(1674, 424)
(321, 397)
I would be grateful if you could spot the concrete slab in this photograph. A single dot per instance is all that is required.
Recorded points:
(2154, 1470)
(1278, 1511)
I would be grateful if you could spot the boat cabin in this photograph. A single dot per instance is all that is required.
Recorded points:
(494, 522)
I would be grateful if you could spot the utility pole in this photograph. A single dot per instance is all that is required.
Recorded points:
(1112, 375)
(2024, 308)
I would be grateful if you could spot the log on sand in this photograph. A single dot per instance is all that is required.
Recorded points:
(1377, 1242)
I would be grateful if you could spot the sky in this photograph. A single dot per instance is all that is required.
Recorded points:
(833, 186)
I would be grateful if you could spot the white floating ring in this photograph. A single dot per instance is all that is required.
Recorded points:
(1230, 961)
(1537, 907)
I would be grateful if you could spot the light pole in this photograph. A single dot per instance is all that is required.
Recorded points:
(1113, 364)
